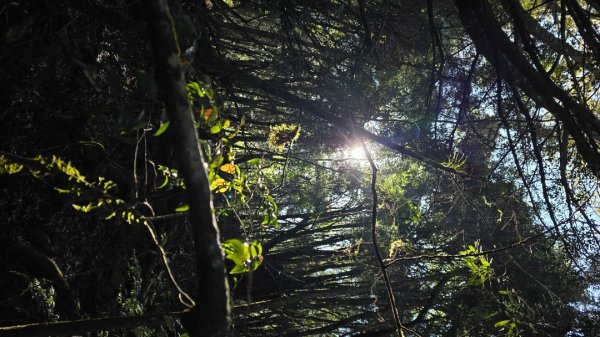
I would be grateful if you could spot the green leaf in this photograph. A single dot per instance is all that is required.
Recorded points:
(274, 221)
(194, 87)
(223, 188)
(272, 203)
(183, 208)
(237, 251)
(255, 249)
(512, 326)
(253, 161)
(215, 128)
(256, 263)
(218, 183)
(245, 256)
(238, 269)
(491, 314)
(217, 161)
(502, 323)
(164, 183)
(162, 128)
(226, 123)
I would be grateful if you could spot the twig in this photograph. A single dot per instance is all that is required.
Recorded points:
(459, 256)
(183, 296)
(83, 326)
(382, 266)
(166, 216)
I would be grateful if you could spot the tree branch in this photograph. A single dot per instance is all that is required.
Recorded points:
(400, 328)
(69, 328)
(513, 66)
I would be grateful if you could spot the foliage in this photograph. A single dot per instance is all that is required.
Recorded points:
(479, 266)
(282, 135)
(8, 167)
(246, 256)
(485, 182)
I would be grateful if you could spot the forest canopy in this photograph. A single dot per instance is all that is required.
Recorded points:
(300, 168)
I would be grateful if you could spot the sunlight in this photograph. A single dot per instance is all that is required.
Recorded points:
(354, 152)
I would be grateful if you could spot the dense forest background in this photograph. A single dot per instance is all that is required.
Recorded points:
(376, 168)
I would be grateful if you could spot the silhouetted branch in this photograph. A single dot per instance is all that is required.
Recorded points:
(70, 328)
(400, 328)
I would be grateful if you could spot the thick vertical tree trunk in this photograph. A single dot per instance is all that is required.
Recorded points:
(211, 315)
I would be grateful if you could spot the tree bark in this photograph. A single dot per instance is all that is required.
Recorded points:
(211, 315)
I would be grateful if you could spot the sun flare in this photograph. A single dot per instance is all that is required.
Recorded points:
(355, 152)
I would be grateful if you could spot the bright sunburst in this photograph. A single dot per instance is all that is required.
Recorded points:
(354, 152)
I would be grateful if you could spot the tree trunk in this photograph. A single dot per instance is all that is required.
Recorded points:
(211, 315)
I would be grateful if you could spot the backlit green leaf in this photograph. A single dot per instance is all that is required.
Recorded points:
(215, 128)
(238, 269)
(164, 183)
(183, 208)
(237, 251)
(502, 323)
(162, 128)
